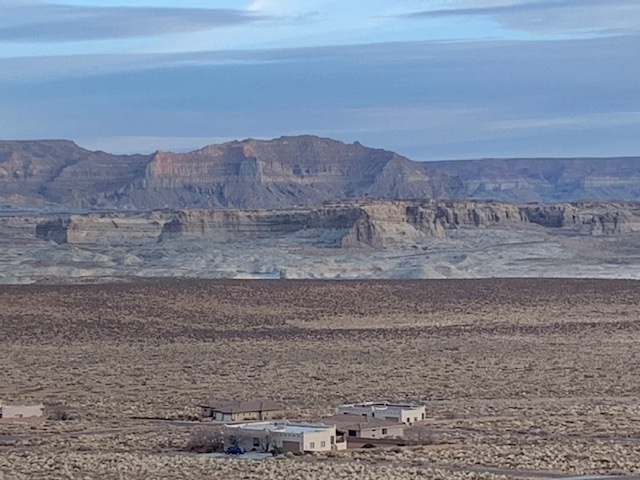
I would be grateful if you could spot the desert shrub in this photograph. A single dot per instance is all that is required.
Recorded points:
(420, 435)
(368, 445)
(205, 440)
(60, 413)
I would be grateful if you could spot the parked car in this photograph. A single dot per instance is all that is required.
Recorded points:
(234, 450)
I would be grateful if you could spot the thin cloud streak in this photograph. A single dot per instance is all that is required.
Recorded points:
(549, 16)
(43, 22)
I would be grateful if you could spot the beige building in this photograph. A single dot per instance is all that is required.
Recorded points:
(358, 426)
(284, 436)
(241, 411)
(17, 411)
(407, 413)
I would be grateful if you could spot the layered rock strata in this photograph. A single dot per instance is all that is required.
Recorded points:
(374, 224)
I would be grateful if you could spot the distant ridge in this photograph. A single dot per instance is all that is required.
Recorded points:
(303, 170)
(288, 171)
(546, 179)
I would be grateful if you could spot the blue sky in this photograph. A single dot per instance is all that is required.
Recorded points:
(431, 79)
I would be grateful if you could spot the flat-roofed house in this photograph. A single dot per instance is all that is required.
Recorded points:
(14, 411)
(285, 436)
(407, 413)
(357, 426)
(241, 411)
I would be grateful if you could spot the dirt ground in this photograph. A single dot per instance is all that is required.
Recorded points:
(528, 378)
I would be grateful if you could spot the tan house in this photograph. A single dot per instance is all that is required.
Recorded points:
(9, 411)
(407, 413)
(359, 426)
(284, 436)
(241, 411)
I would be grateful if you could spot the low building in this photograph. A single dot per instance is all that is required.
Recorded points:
(18, 411)
(241, 411)
(407, 413)
(357, 426)
(284, 436)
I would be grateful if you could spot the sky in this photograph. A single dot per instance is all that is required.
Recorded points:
(430, 79)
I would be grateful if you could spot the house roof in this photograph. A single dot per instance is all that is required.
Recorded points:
(282, 427)
(357, 422)
(243, 406)
(383, 405)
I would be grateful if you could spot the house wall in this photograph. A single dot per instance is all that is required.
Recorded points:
(392, 431)
(21, 411)
(319, 441)
(245, 438)
(242, 417)
(400, 414)
(306, 441)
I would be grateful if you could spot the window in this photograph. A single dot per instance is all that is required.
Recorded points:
(333, 440)
(384, 431)
(323, 444)
(312, 445)
(256, 442)
(415, 419)
(353, 433)
(423, 416)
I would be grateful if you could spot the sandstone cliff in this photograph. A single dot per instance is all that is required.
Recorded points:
(377, 224)
(280, 173)
(546, 180)
(103, 229)
(60, 172)
(288, 171)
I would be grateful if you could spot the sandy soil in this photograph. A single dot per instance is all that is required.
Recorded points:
(520, 376)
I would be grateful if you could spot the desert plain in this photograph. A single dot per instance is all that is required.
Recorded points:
(522, 378)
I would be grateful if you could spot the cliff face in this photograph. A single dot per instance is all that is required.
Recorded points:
(60, 172)
(103, 229)
(287, 171)
(546, 179)
(346, 225)
(279, 173)
(229, 225)
(292, 171)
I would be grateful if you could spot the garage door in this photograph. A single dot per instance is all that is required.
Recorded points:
(290, 446)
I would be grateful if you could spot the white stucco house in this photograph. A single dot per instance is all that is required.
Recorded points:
(407, 413)
(14, 411)
(284, 435)
(241, 411)
(359, 426)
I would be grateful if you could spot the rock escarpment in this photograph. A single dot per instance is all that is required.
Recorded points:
(292, 171)
(103, 228)
(288, 171)
(546, 180)
(377, 224)
(280, 173)
(60, 172)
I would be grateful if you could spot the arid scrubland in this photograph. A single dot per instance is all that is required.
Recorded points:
(518, 375)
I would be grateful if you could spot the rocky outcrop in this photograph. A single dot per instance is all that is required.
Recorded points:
(386, 224)
(280, 173)
(547, 180)
(293, 171)
(229, 225)
(103, 229)
(288, 171)
(377, 224)
(60, 172)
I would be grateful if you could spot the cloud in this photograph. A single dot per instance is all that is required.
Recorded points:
(423, 99)
(548, 16)
(46, 22)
